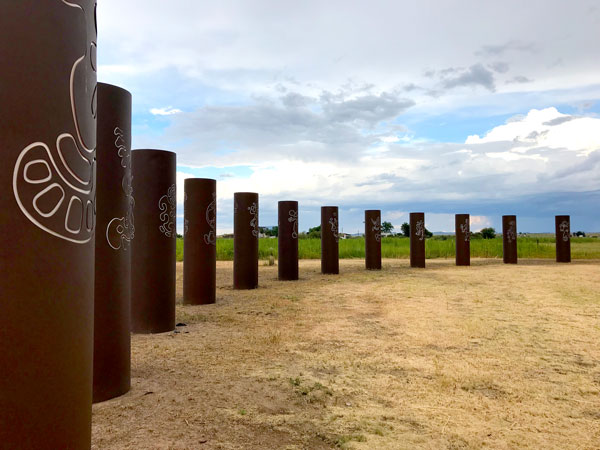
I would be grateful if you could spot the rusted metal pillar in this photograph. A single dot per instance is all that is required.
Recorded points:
(373, 239)
(563, 238)
(115, 231)
(287, 241)
(47, 221)
(199, 241)
(509, 239)
(462, 232)
(417, 239)
(245, 240)
(154, 247)
(330, 261)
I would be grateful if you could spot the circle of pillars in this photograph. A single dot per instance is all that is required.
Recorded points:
(462, 233)
(373, 239)
(114, 235)
(199, 241)
(154, 247)
(563, 238)
(287, 240)
(330, 263)
(245, 240)
(47, 219)
(509, 239)
(417, 239)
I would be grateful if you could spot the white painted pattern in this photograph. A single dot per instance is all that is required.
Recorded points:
(420, 229)
(167, 206)
(293, 218)
(333, 223)
(253, 209)
(210, 238)
(376, 228)
(565, 229)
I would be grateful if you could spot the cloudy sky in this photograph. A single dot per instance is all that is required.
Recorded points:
(446, 106)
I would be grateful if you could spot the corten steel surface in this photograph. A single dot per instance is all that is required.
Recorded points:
(417, 239)
(115, 230)
(330, 252)
(373, 239)
(563, 238)
(462, 232)
(154, 247)
(287, 241)
(47, 215)
(509, 239)
(199, 241)
(245, 240)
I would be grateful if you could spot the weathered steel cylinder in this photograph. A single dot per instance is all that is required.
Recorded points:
(417, 239)
(287, 241)
(563, 238)
(245, 240)
(154, 247)
(47, 220)
(509, 239)
(330, 254)
(199, 241)
(462, 233)
(373, 239)
(115, 231)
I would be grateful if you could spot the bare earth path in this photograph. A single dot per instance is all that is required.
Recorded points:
(488, 356)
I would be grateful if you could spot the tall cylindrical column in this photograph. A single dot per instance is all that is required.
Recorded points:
(462, 233)
(563, 238)
(47, 220)
(154, 247)
(509, 239)
(115, 231)
(330, 255)
(199, 241)
(287, 241)
(417, 239)
(373, 239)
(245, 240)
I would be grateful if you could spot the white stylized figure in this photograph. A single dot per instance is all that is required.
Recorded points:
(333, 223)
(376, 228)
(53, 182)
(464, 228)
(420, 230)
(254, 221)
(168, 208)
(210, 238)
(120, 231)
(511, 235)
(565, 230)
(293, 219)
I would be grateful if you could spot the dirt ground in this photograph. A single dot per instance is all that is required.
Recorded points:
(491, 355)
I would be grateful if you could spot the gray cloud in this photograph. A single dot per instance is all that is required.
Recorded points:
(559, 120)
(500, 67)
(513, 45)
(476, 75)
(520, 79)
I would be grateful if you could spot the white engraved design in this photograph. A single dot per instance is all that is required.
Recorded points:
(254, 221)
(293, 218)
(186, 222)
(210, 238)
(511, 235)
(464, 228)
(69, 168)
(564, 229)
(420, 230)
(168, 208)
(120, 231)
(376, 228)
(333, 223)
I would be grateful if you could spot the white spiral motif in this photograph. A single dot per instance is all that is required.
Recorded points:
(464, 228)
(293, 218)
(210, 238)
(376, 228)
(511, 235)
(333, 223)
(565, 230)
(254, 221)
(420, 230)
(168, 208)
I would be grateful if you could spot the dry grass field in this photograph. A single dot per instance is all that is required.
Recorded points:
(488, 356)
